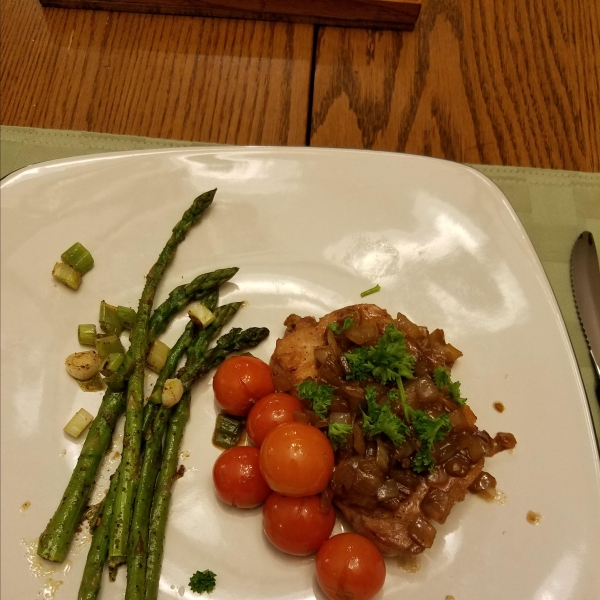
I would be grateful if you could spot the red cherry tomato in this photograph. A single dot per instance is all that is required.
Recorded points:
(296, 459)
(237, 477)
(350, 566)
(268, 412)
(239, 382)
(296, 525)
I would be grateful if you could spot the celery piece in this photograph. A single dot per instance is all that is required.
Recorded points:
(86, 334)
(78, 257)
(67, 275)
(109, 319)
(109, 344)
(126, 316)
(157, 357)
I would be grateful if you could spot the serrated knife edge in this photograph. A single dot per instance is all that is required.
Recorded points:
(585, 281)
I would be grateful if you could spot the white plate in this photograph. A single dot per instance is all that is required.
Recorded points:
(310, 230)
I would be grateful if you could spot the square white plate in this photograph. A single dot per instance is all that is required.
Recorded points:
(310, 229)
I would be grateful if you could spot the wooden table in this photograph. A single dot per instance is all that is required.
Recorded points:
(482, 81)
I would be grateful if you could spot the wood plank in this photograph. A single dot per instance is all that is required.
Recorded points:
(226, 81)
(498, 82)
(387, 14)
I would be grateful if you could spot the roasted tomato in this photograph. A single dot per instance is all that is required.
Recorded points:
(297, 525)
(296, 459)
(237, 478)
(350, 566)
(240, 382)
(268, 412)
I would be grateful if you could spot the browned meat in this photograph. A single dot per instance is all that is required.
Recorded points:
(407, 530)
(374, 485)
(295, 353)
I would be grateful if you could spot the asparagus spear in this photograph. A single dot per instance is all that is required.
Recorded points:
(138, 540)
(55, 540)
(94, 565)
(132, 441)
(234, 341)
(201, 288)
(183, 294)
(173, 359)
(210, 301)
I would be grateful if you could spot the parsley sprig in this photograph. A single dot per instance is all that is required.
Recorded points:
(338, 434)
(389, 361)
(203, 581)
(348, 322)
(441, 378)
(320, 396)
(381, 419)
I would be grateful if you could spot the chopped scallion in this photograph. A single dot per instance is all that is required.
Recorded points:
(228, 431)
(111, 363)
(109, 319)
(115, 382)
(157, 357)
(126, 316)
(370, 291)
(78, 423)
(95, 384)
(78, 257)
(67, 275)
(86, 334)
(109, 344)
(200, 315)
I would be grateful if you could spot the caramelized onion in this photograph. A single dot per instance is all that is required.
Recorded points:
(359, 439)
(382, 459)
(282, 383)
(340, 417)
(422, 532)
(343, 476)
(457, 466)
(426, 389)
(436, 505)
(444, 450)
(387, 491)
(323, 354)
(483, 482)
(477, 449)
(301, 417)
(366, 334)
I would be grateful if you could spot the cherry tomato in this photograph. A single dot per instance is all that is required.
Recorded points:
(237, 477)
(268, 412)
(296, 525)
(350, 566)
(239, 382)
(296, 459)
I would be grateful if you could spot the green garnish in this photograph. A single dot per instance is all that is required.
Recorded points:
(429, 430)
(109, 319)
(86, 334)
(319, 395)
(387, 361)
(78, 257)
(126, 316)
(66, 274)
(203, 581)
(441, 378)
(228, 431)
(338, 434)
(381, 419)
(348, 322)
(370, 291)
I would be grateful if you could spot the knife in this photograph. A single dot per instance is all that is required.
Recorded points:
(585, 279)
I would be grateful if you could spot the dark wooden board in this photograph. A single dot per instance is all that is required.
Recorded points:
(380, 14)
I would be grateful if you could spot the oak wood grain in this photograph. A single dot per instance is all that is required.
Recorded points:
(498, 82)
(387, 14)
(213, 80)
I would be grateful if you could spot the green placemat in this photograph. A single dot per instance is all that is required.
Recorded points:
(554, 207)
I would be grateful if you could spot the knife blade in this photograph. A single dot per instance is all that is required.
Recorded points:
(585, 280)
